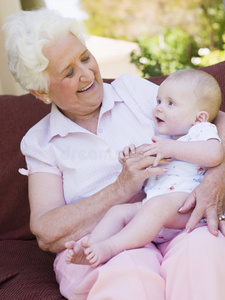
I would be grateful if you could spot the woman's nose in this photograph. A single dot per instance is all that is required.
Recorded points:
(85, 73)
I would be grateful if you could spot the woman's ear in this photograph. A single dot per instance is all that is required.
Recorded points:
(202, 116)
(39, 95)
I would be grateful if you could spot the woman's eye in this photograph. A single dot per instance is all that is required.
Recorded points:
(86, 58)
(70, 73)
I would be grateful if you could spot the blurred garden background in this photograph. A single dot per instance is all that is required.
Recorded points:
(171, 35)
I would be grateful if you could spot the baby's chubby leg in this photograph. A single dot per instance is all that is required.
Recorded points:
(100, 248)
(113, 221)
(160, 211)
(75, 252)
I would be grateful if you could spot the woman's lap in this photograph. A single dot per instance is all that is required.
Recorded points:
(193, 268)
(126, 276)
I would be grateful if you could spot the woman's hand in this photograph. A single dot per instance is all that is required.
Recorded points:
(208, 200)
(137, 167)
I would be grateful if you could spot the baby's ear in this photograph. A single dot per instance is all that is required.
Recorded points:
(202, 116)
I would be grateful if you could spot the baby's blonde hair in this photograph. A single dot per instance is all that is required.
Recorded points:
(205, 87)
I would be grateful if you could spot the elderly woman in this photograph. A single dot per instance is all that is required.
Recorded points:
(75, 177)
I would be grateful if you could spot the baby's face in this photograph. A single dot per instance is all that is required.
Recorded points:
(176, 108)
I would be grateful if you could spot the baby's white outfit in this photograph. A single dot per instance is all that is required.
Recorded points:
(181, 176)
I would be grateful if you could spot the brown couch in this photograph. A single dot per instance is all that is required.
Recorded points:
(26, 272)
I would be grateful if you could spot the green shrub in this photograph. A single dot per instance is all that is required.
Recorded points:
(165, 54)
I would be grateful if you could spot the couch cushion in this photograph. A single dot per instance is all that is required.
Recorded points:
(18, 114)
(26, 272)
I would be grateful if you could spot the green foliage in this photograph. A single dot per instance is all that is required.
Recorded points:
(179, 47)
(32, 4)
(169, 33)
(212, 58)
(215, 56)
(165, 54)
(104, 18)
(212, 19)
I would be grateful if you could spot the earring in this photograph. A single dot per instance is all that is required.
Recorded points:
(47, 100)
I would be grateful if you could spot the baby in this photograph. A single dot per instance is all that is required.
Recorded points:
(187, 102)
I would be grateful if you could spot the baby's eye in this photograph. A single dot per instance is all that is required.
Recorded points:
(159, 101)
(171, 103)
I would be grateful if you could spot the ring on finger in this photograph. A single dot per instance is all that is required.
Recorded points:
(222, 218)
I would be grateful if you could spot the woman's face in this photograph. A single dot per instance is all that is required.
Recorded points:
(76, 85)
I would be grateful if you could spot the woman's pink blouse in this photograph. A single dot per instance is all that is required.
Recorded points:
(85, 161)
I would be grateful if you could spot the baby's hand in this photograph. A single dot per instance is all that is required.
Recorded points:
(126, 153)
(161, 148)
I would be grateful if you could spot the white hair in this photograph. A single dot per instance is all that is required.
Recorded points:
(28, 32)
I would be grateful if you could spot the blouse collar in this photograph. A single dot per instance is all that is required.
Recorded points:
(61, 125)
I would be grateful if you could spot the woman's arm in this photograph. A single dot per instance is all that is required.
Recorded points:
(53, 222)
(209, 197)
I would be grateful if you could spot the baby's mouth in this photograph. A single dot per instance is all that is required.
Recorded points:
(158, 120)
(86, 87)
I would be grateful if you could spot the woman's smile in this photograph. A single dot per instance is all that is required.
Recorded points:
(89, 87)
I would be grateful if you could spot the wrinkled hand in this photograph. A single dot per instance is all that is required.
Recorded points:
(161, 148)
(208, 200)
(136, 169)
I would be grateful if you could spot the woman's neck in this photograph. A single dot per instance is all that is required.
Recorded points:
(89, 122)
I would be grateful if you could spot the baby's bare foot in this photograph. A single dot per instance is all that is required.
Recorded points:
(75, 253)
(99, 253)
